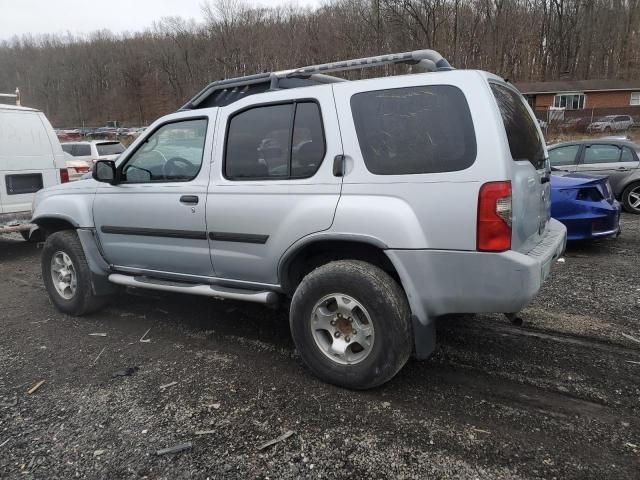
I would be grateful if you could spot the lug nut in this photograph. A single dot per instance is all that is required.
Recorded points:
(350, 320)
(347, 339)
(355, 333)
(333, 323)
(337, 334)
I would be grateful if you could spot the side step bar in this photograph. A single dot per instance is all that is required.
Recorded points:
(217, 291)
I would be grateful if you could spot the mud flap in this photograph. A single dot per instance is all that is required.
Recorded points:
(424, 336)
(100, 269)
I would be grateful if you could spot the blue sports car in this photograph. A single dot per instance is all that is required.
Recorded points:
(586, 206)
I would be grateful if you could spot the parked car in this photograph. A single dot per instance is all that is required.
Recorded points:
(30, 159)
(92, 151)
(68, 135)
(374, 205)
(585, 205)
(611, 123)
(616, 159)
(76, 168)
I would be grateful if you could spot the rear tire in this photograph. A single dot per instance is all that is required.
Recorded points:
(67, 277)
(631, 198)
(356, 304)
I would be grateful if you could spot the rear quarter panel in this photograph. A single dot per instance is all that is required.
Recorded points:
(435, 210)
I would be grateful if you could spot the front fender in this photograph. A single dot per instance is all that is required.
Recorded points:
(72, 205)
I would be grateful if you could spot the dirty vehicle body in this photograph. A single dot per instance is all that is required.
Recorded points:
(585, 205)
(30, 159)
(616, 159)
(375, 205)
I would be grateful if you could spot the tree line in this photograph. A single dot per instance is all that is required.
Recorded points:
(136, 77)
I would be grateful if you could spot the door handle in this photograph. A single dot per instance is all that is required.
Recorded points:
(622, 169)
(338, 166)
(189, 199)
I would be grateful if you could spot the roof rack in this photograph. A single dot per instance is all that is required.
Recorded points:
(15, 95)
(225, 92)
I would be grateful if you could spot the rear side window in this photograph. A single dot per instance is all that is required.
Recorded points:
(414, 130)
(601, 154)
(520, 126)
(627, 155)
(67, 147)
(562, 156)
(275, 142)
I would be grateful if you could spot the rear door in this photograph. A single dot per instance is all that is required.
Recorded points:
(273, 180)
(531, 198)
(614, 161)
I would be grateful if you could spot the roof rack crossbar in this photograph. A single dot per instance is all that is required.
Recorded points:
(422, 60)
(15, 95)
(429, 60)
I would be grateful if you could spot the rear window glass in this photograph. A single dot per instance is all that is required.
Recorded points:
(414, 130)
(81, 150)
(110, 148)
(520, 126)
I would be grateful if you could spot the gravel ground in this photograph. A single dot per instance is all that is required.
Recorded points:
(556, 398)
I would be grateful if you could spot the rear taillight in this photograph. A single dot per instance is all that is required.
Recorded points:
(82, 169)
(64, 175)
(494, 217)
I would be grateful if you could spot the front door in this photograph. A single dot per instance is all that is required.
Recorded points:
(274, 183)
(154, 218)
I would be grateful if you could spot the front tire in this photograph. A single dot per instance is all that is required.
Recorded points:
(351, 324)
(631, 198)
(66, 275)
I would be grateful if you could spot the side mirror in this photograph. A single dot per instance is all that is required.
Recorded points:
(105, 171)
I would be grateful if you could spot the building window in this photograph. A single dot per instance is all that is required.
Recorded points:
(569, 101)
(635, 98)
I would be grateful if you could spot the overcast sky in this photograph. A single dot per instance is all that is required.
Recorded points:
(18, 17)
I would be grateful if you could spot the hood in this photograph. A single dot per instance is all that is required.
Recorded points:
(573, 180)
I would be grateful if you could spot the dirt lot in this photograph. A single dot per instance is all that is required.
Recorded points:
(557, 398)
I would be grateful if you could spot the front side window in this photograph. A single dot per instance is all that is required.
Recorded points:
(601, 154)
(173, 153)
(564, 156)
(275, 142)
(520, 127)
(414, 130)
(571, 101)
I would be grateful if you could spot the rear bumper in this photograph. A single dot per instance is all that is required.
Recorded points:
(595, 220)
(439, 282)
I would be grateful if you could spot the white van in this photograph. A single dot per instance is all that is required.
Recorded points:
(31, 158)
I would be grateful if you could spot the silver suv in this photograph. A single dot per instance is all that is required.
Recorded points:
(374, 206)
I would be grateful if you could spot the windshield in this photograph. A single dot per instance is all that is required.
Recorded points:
(112, 148)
